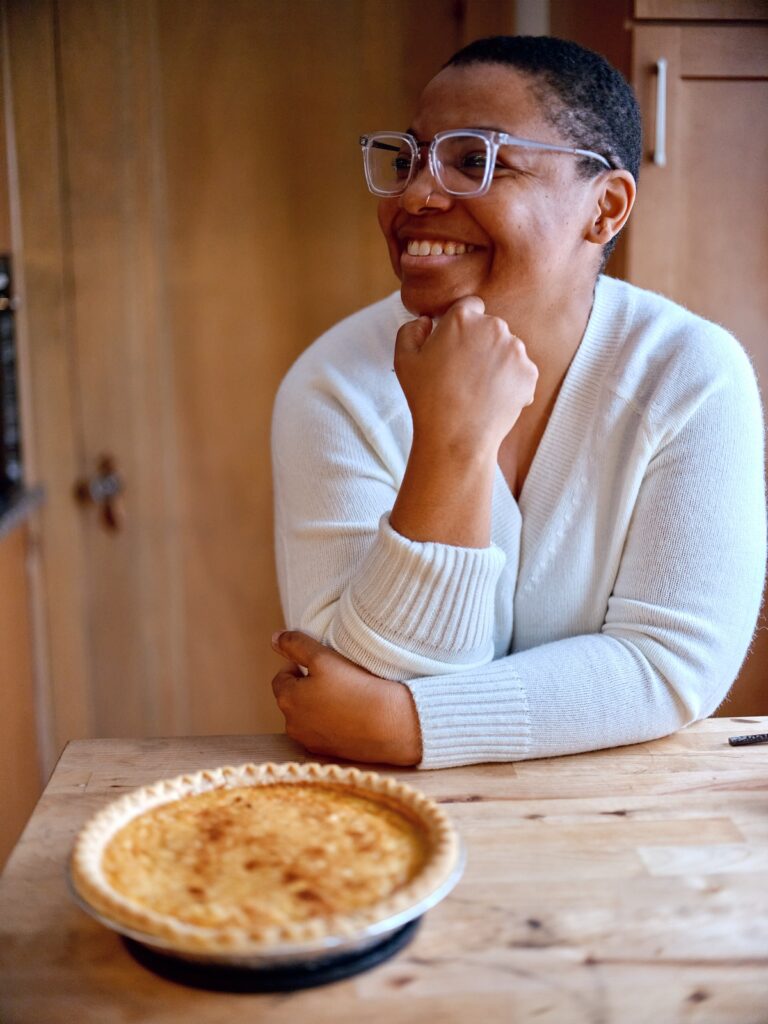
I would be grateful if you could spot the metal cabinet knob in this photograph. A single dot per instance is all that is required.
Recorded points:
(104, 489)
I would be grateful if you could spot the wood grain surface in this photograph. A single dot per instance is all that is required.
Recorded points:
(626, 885)
(179, 241)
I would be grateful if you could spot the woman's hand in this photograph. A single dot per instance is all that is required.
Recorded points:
(467, 381)
(339, 709)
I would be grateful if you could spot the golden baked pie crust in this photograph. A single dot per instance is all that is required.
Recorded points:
(336, 849)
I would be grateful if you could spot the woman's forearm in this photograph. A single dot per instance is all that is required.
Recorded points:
(351, 572)
(466, 381)
(446, 495)
(386, 553)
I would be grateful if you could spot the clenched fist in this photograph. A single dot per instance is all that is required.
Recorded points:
(467, 380)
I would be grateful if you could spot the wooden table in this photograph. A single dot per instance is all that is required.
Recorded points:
(627, 885)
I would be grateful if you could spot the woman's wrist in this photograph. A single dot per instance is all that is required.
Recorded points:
(404, 731)
(446, 494)
(458, 449)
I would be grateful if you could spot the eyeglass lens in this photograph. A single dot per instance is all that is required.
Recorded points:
(461, 163)
(388, 160)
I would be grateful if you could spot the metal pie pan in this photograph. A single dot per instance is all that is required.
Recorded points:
(285, 955)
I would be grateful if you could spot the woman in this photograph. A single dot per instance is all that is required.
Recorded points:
(544, 532)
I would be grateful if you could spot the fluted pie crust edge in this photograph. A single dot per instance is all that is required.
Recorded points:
(93, 887)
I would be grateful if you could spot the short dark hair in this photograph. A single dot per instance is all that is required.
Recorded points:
(583, 96)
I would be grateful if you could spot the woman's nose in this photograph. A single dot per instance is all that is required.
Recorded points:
(424, 193)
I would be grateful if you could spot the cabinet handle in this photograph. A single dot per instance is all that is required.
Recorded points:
(104, 489)
(660, 147)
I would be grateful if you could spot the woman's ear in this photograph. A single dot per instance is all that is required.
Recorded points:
(615, 200)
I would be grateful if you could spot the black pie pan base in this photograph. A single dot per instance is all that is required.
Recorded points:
(285, 978)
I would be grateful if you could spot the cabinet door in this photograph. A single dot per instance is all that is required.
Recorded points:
(190, 194)
(700, 226)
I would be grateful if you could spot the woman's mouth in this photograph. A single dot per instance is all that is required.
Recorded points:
(426, 247)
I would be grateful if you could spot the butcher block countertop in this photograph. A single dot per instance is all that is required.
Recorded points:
(627, 885)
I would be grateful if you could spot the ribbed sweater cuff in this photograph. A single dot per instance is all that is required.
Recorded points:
(434, 600)
(472, 718)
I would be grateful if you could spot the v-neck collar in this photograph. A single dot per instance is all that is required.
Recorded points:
(558, 469)
(556, 475)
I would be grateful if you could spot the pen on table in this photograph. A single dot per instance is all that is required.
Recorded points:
(746, 741)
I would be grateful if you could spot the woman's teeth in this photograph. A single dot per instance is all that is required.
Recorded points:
(418, 248)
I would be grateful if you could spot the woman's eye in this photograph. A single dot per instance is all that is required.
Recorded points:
(472, 165)
(474, 161)
(402, 166)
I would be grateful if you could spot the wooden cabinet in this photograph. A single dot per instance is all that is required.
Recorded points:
(182, 243)
(698, 232)
(172, 273)
(701, 222)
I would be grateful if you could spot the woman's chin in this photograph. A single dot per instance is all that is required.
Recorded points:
(429, 301)
(434, 310)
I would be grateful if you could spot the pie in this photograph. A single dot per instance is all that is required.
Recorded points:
(239, 859)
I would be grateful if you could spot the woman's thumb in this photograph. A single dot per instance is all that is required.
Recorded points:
(297, 646)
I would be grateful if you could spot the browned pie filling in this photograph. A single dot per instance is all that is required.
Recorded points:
(255, 856)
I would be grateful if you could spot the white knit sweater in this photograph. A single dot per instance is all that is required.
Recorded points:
(619, 595)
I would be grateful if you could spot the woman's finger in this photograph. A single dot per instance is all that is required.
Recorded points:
(285, 678)
(412, 335)
(469, 304)
(296, 646)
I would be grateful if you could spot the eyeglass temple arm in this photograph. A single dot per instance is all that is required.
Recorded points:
(365, 140)
(528, 144)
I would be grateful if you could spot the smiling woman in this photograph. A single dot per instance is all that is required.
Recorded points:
(544, 532)
(534, 194)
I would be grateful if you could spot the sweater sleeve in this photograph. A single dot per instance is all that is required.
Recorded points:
(678, 623)
(397, 607)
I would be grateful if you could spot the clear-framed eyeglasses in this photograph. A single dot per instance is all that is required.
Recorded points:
(462, 161)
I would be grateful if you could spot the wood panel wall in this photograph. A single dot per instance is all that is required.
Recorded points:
(21, 764)
(44, 338)
(179, 241)
(191, 214)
